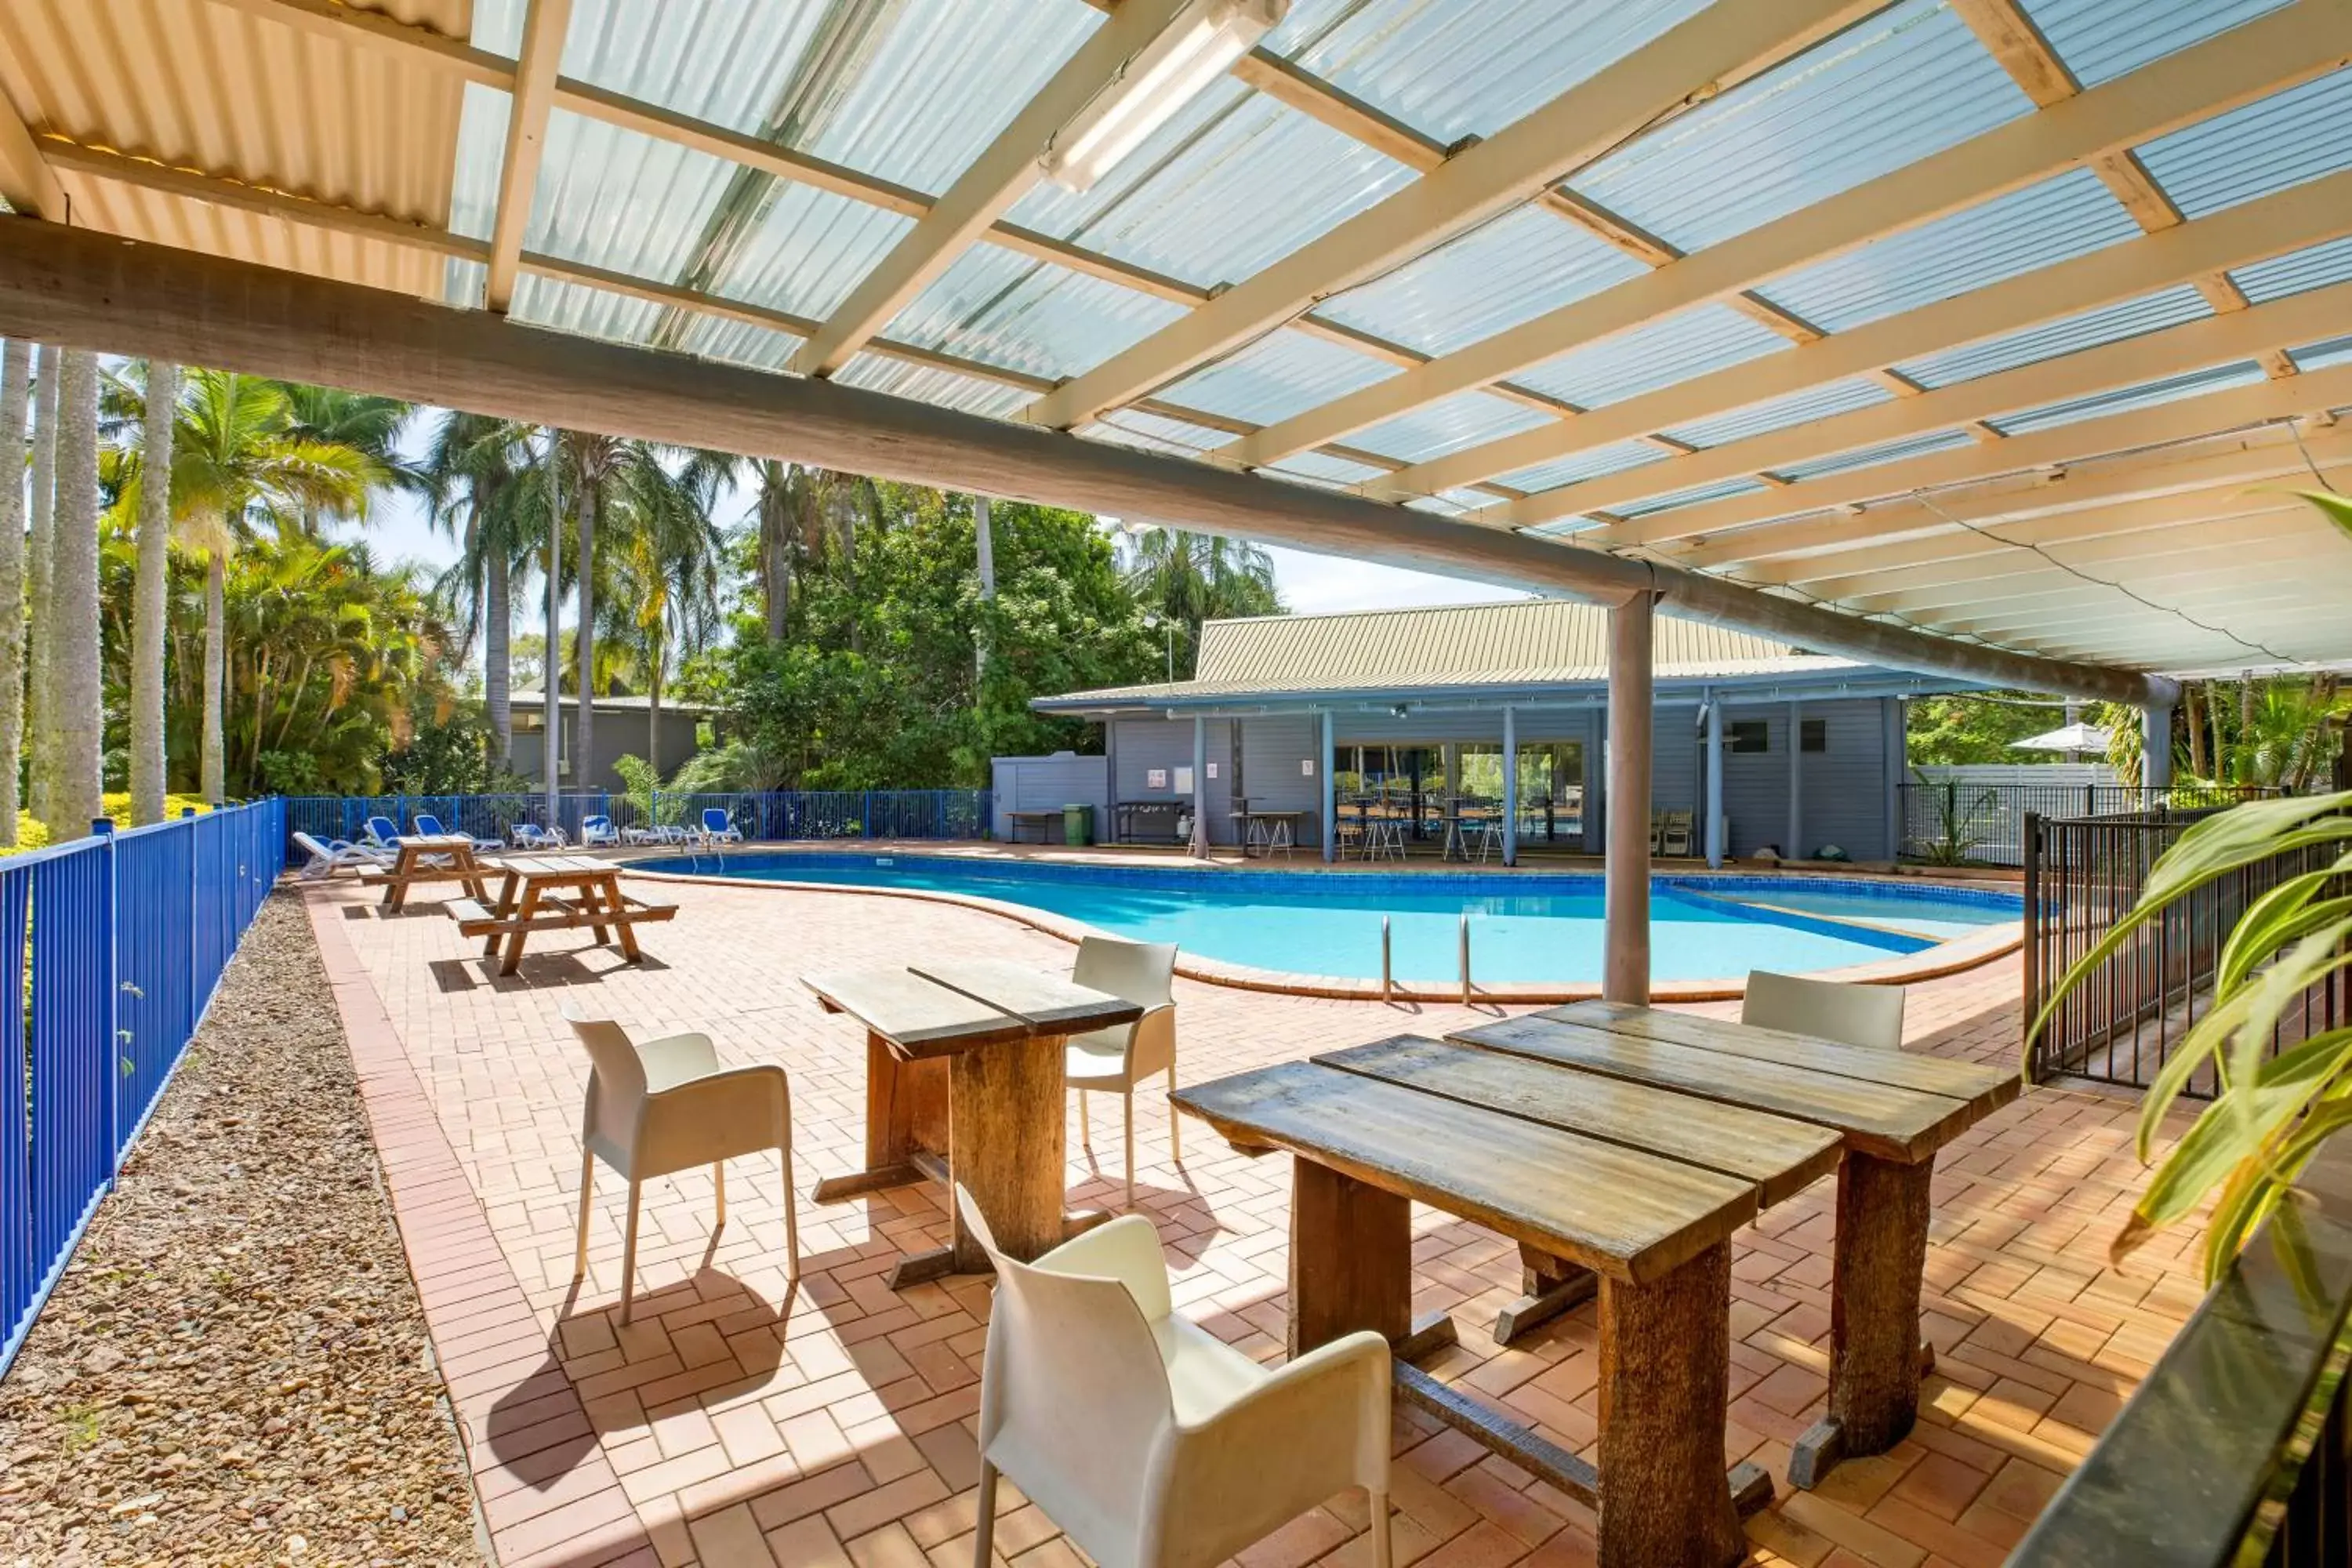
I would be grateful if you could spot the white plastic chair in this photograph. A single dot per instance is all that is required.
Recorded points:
(1119, 1057)
(666, 1106)
(1826, 1009)
(1152, 1443)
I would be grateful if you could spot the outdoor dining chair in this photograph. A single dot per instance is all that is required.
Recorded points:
(1124, 1055)
(1827, 1009)
(664, 1106)
(1152, 1443)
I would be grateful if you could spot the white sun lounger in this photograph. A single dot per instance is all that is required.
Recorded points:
(332, 855)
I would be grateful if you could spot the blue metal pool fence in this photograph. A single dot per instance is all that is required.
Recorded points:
(771, 816)
(113, 945)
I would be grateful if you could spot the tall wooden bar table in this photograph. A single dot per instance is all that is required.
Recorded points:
(964, 1084)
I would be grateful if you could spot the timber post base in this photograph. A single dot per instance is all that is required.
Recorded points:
(1877, 1359)
(1550, 1287)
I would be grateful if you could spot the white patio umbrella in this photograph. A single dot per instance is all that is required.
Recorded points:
(2076, 737)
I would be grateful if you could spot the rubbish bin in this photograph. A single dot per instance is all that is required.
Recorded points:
(1077, 825)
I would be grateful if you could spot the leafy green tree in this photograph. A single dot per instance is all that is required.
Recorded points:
(1185, 579)
(1977, 727)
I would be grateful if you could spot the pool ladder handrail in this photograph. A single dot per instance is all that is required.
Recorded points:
(1388, 971)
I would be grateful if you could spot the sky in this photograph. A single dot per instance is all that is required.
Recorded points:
(1310, 584)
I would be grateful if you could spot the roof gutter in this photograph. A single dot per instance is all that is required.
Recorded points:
(80, 289)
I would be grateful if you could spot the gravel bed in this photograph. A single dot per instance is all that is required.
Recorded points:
(235, 1368)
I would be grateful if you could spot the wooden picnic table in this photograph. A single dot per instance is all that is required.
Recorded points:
(532, 897)
(1620, 1163)
(426, 857)
(964, 1084)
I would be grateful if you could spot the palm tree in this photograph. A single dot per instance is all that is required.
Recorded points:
(471, 473)
(237, 463)
(77, 717)
(670, 558)
(798, 507)
(154, 513)
(15, 375)
(39, 574)
(1188, 578)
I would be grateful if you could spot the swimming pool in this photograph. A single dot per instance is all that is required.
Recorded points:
(1535, 927)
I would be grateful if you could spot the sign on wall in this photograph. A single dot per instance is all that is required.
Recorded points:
(1155, 778)
(1183, 781)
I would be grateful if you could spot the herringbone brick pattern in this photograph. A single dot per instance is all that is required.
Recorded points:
(739, 1422)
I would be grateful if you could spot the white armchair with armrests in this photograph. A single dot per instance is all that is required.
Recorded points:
(1152, 1443)
(1119, 1057)
(664, 1106)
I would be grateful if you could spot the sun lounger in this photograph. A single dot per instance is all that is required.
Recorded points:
(718, 827)
(597, 832)
(430, 827)
(332, 855)
(532, 835)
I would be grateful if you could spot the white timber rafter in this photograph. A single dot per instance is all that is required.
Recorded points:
(26, 181)
(2270, 225)
(2183, 420)
(2193, 345)
(544, 32)
(2303, 40)
(1005, 171)
(1508, 170)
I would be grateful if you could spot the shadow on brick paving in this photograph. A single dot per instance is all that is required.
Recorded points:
(235, 1368)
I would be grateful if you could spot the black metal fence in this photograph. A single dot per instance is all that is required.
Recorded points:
(1949, 821)
(2236, 1448)
(2124, 1021)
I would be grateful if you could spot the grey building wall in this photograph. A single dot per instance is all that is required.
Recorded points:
(1843, 788)
(620, 732)
(1137, 746)
(1272, 750)
(1048, 783)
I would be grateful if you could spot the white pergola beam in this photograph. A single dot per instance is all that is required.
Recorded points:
(2185, 579)
(2185, 419)
(544, 32)
(2301, 41)
(1958, 544)
(2248, 461)
(1004, 172)
(2193, 345)
(1510, 168)
(2101, 557)
(2288, 220)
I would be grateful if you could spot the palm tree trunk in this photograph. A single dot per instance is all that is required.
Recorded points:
(498, 660)
(39, 574)
(16, 374)
(653, 711)
(776, 588)
(150, 582)
(213, 765)
(77, 718)
(2195, 730)
(585, 644)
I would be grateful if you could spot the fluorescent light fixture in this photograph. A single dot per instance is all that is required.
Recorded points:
(1194, 49)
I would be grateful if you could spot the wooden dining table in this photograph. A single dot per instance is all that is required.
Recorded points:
(964, 1063)
(1619, 1148)
(428, 857)
(557, 893)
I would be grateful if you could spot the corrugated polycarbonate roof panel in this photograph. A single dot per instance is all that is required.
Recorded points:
(738, 342)
(207, 87)
(481, 151)
(620, 200)
(1002, 309)
(1450, 68)
(592, 312)
(1590, 463)
(1322, 469)
(2087, 328)
(2266, 145)
(1232, 182)
(1779, 413)
(1448, 425)
(1154, 431)
(2318, 356)
(2296, 272)
(1282, 374)
(2102, 39)
(809, 250)
(2171, 389)
(2041, 225)
(935, 89)
(1697, 341)
(661, 50)
(946, 388)
(1524, 263)
(1890, 91)
(1870, 457)
(1696, 495)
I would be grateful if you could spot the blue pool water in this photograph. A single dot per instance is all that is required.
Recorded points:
(1532, 927)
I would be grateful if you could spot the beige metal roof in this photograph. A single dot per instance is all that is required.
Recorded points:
(1516, 646)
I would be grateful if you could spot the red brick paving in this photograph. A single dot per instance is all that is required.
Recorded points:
(736, 1422)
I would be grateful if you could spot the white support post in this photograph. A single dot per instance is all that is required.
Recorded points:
(1510, 786)
(1625, 972)
(1715, 845)
(2156, 747)
(1330, 792)
(1200, 787)
(1794, 849)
